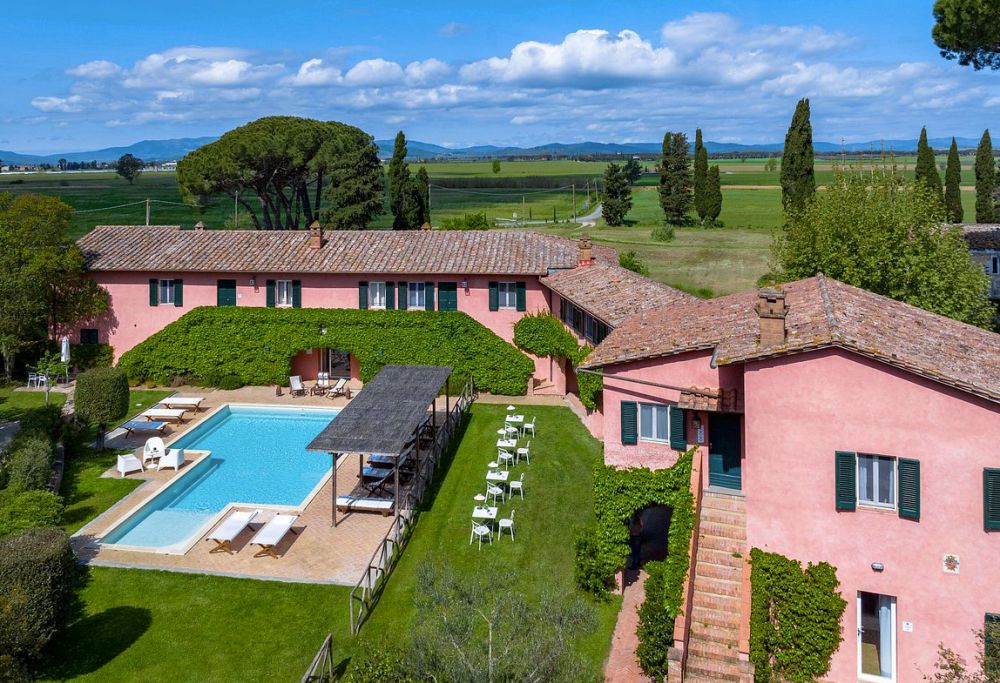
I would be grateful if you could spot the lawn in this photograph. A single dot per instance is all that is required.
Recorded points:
(139, 401)
(14, 404)
(150, 625)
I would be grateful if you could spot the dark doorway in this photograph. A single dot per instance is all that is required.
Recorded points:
(651, 541)
(724, 447)
(226, 293)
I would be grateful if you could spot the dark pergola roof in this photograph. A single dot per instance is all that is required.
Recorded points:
(386, 413)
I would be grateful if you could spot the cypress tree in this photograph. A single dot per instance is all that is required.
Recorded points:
(798, 177)
(675, 178)
(423, 186)
(713, 195)
(400, 185)
(700, 177)
(617, 199)
(926, 170)
(986, 180)
(953, 185)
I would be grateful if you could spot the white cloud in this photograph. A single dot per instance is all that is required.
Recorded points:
(209, 66)
(97, 69)
(374, 72)
(420, 73)
(313, 73)
(453, 28)
(73, 103)
(524, 119)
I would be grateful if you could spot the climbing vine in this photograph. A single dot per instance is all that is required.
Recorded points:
(544, 335)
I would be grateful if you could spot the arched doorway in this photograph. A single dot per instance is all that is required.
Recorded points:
(649, 528)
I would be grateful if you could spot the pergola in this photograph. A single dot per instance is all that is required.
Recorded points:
(385, 419)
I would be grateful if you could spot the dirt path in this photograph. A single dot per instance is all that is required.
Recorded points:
(622, 666)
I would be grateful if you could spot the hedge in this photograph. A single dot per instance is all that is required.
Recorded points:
(28, 465)
(795, 618)
(36, 581)
(256, 345)
(21, 510)
(545, 336)
(656, 622)
(101, 396)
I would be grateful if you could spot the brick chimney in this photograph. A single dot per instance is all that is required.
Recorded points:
(586, 252)
(315, 235)
(771, 310)
(199, 226)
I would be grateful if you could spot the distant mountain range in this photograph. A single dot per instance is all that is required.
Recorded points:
(172, 150)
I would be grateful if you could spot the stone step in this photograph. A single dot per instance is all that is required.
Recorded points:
(715, 501)
(731, 545)
(725, 603)
(716, 556)
(715, 633)
(719, 651)
(723, 517)
(737, 532)
(723, 618)
(729, 572)
(712, 586)
(712, 670)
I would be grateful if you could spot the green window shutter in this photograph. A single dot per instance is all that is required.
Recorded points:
(270, 294)
(404, 296)
(494, 296)
(846, 480)
(296, 293)
(390, 296)
(362, 295)
(178, 293)
(520, 296)
(908, 472)
(154, 292)
(630, 422)
(678, 428)
(429, 296)
(991, 499)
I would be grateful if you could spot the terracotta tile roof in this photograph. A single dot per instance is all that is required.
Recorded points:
(821, 313)
(612, 293)
(712, 400)
(168, 248)
(985, 236)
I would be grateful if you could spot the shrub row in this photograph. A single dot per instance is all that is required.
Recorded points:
(256, 345)
(794, 618)
(25, 472)
(656, 622)
(545, 336)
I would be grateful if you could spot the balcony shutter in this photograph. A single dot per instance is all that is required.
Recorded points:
(909, 488)
(178, 293)
(429, 296)
(390, 296)
(991, 498)
(520, 296)
(363, 295)
(678, 432)
(846, 480)
(494, 296)
(154, 292)
(269, 297)
(630, 422)
(296, 293)
(404, 296)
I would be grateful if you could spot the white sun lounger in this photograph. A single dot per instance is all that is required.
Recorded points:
(271, 534)
(351, 504)
(186, 402)
(164, 414)
(233, 526)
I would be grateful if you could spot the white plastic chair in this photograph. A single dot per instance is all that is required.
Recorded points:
(172, 458)
(480, 531)
(128, 463)
(493, 491)
(529, 425)
(153, 449)
(524, 452)
(505, 458)
(33, 379)
(508, 524)
(512, 432)
(517, 485)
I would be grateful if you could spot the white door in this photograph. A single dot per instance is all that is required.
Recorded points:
(876, 637)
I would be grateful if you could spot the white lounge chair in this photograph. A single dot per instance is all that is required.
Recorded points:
(128, 463)
(271, 534)
(338, 389)
(153, 449)
(233, 526)
(185, 402)
(164, 414)
(382, 506)
(295, 386)
(174, 457)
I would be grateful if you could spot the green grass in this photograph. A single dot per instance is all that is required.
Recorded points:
(151, 625)
(13, 404)
(140, 400)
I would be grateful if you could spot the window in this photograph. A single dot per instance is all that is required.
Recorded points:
(507, 292)
(653, 422)
(88, 336)
(283, 293)
(166, 294)
(877, 480)
(376, 295)
(415, 295)
(995, 265)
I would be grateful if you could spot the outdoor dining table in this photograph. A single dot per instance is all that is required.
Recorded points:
(514, 419)
(484, 513)
(498, 475)
(506, 443)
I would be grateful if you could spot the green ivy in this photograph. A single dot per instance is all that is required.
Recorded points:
(256, 345)
(795, 618)
(588, 385)
(544, 335)
(656, 623)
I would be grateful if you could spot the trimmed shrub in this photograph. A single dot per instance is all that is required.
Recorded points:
(662, 233)
(29, 464)
(794, 618)
(102, 396)
(256, 345)
(21, 510)
(656, 622)
(36, 581)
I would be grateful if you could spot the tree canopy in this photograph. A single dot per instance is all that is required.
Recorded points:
(404, 195)
(798, 176)
(925, 170)
(713, 196)
(953, 185)
(287, 162)
(700, 177)
(888, 235)
(127, 166)
(675, 178)
(986, 181)
(969, 31)
(617, 200)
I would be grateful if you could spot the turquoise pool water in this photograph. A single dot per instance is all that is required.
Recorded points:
(258, 456)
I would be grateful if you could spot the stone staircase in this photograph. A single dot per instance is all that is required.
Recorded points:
(713, 646)
(544, 387)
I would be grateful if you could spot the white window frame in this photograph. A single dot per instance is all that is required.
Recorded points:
(165, 285)
(376, 292)
(666, 428)
(283, 294)
(875, 481)
(507, 296)
(416, 295)
(895, 654)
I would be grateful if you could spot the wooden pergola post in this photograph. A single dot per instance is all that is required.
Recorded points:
(333, 493)
(395, 495)
(447, 401)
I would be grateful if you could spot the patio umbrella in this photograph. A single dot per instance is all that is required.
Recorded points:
(64, 350)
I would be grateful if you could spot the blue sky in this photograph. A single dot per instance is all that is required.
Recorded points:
(79, 76)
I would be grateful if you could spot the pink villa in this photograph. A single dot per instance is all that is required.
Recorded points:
(832, 425)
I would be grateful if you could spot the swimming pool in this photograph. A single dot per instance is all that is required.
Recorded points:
(258, 457)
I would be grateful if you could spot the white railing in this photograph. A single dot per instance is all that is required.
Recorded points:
(321, 668)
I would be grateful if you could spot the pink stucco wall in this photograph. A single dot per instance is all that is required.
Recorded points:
(800, 409)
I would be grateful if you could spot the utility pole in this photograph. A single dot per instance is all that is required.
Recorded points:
(574, 202)
(147, 211)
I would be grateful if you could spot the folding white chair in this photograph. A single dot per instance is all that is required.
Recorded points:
(507, 524)
(480, 531)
